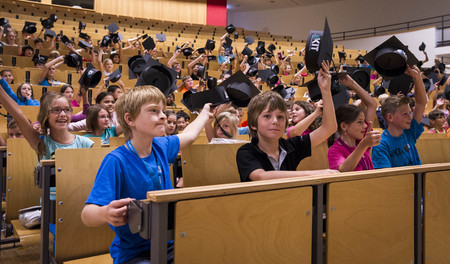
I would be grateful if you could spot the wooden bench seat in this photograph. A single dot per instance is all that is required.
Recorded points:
(28, 237)
(99, 259)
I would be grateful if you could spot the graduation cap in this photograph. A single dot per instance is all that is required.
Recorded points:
(428, 83)
(253, 61)
(247, 51)
(422, 47)
(275, 69)
(187, 51)
(106, 40)
(30, 27)
(84, 36)
(268, 76)
(271, 48)
(285, 92)
(158, 75)
(90, 77)
(228, 42)
(3, 21)
(48, 23)
(319, 47)
(236, 35)
(390, 58)
(260, 49)
(145, 36)
(230, 29)
(149, 44)
(161, 37)
(84, 45)
(210, 45)
(50, 33)
(39, 59)
(212, 57)
(433, 76)
(201, 50)
(65, 40)
(73, 60)
(136, 65)
(81, 25)
(314, 89)
(113, 27)
(342, 55)
(300, 66)
(379, 90)
(252, 71)
(443, 80)
(441, 67)
(194, 101)
(360, 58)
(361, 75)
(249, 40)
(200, 72)
(115, 75)
(116, 37)
(240, 89)
(403, 84)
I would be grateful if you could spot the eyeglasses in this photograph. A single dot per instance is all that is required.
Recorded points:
(57, 110)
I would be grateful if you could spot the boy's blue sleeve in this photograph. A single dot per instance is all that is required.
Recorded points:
(173, 147)
(380, 156)
(8, 90)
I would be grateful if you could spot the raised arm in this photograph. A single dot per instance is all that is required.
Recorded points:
(48, 65)
(24, 125)
(370, 111)
(419, 92)
(329, 125)
(301, 126)
(192, 64)
(191, 132)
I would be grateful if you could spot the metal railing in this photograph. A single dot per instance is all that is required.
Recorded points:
(440, 22)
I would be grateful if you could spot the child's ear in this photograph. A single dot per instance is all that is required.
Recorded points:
(389, 117)
(128, 119)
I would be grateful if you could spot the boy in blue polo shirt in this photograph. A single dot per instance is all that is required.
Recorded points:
(398, 142)
(139, 166)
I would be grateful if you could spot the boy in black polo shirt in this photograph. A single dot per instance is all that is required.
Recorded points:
(269, 156)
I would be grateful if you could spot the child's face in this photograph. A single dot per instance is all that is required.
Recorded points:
(402, 117)
(226, 125)
(271, 125)
(60, 121)
(117, 93)
(39, 45)
(103, 119)
(28, 53)
(439, 122)
(108, 103)
(298, 113)
(150, 122)
(8, 77)
(357, 128)
(26, 91)
(68, 93)
(15, 133)
(171, 124)
(109, 66)
(181, 123)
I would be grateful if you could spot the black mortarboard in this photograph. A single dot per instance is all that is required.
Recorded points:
(253, 61)
(422, 47)
(342, 97)
(275, 69)
(158, 75)
(81, 25)
(201, 50)
(300, 66)
(428, 83)
(230, 29)
(212, 57)
(115, 75)
(90, 77)
(200, 72)
(441, 67)
(379, 90)
(360, 58)
(161, 37)
(3, 21)
(319, 47)
(215, 96)
(314, 89)
(84, 36)
(268, 76)
(210, 45)
(113, 27)
(260, 49)
(30, 27)
(342, 55)
(403, 84)
(65, 40)
(50, 33)
(37, 58)
(249, 40)
(390, 58)
(116, 37)
(285, 92)
(136, 65)
(149, 44)
(252, 71)
(106, 40)
(433, 76)
(84, 45)
(228, 42)
(73, 60)
(443, 80)
(240, 89)
(236, 35)
(361, 75)
(247, 51)
(271, 48)
(48, 23)
(187, 51)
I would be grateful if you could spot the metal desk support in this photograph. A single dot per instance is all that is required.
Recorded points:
(159, 233)
(45, 213)
(418, 220)
(317, 224)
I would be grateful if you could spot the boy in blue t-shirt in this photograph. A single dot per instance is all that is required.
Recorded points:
(139, 166)
(398, 142)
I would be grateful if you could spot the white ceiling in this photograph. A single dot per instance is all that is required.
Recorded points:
(249, 5)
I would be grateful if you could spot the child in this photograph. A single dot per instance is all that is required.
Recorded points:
(305, 118)
(142, 165)
(67, 91)
(351, 151)
(171, 123)
(269, 156)
(97, 124)
(437, 122)
(23, 95)
(398, 141)
(13, 130)
(8, 76)
(225, 126)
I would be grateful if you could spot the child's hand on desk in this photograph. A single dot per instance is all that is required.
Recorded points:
(116, 212)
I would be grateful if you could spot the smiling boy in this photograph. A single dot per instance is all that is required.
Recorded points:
(398, 142)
